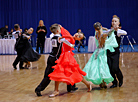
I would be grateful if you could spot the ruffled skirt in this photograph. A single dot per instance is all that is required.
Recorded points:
(97, 68)
(67, 70)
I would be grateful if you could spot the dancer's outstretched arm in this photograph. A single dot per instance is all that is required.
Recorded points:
(66, 42)
(121, 32)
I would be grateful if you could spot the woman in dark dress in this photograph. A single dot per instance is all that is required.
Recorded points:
(28, 55)
(41, 33)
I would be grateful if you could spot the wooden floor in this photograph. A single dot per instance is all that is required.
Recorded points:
(19, 85)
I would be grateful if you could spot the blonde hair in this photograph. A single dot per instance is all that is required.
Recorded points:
(42, 22)
(32, 29)
(115, 16)
(54, 28)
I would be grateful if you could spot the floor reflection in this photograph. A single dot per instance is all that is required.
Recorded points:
(21, 83)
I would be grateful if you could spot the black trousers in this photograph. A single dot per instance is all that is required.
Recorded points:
(40, 43)
(17, 60)
(80, 43)
(113, 63)
(45, 82)
(2, 36)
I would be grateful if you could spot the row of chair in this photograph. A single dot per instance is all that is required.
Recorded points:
(131, 43)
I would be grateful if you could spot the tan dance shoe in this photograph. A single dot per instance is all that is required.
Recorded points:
(55, 93)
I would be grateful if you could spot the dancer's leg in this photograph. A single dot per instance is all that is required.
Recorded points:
(56, 92)
(56, 85)
(88, 84)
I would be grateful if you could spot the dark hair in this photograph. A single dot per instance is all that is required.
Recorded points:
(16, 26)
(97, 26)
(54, 28)
(78, 30)
(25, 29)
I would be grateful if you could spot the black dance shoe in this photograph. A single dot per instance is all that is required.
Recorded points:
(21, 67)
(38, 93)
(70, 88)
(14, 67)
(74, 89)
(105, 87)
(113, 86)
(120, 83)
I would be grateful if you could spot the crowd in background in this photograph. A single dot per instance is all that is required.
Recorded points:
(41, 32)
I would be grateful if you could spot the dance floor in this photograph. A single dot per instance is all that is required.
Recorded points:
(19, 85)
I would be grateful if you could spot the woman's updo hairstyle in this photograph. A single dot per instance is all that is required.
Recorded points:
(97, 26)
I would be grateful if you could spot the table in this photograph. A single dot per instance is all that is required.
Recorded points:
(48, 45)
(7, 46)
(91, 44)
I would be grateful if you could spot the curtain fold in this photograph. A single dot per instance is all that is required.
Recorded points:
(71, 14)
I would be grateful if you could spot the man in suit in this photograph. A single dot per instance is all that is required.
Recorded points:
(17, 35)
(54, 55)
(113, 57)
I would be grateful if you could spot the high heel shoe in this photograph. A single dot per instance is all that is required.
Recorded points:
(29, 64)
(55, 93)
(26, 67)
(103, 85)
(90, 88)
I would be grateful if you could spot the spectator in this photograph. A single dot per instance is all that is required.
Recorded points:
(41, 33)
(3, 31)
(80, 43)
(10, 33)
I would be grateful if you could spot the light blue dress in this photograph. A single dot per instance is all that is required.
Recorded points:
(97, 68)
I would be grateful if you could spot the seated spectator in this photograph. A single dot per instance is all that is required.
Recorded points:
(9, 36)
(10, 33)
(3, 31)
(81, 42)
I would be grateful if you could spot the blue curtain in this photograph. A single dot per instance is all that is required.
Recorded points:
(71, 14)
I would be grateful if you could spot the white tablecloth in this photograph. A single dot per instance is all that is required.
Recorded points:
(91, 44)
(48, 45)
(7, 46)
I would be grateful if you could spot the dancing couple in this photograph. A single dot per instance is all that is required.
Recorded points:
(62, 66)
(25, 52)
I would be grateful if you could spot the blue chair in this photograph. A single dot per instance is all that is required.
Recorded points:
(78, 42)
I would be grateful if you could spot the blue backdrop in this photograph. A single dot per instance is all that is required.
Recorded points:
(71, 14)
